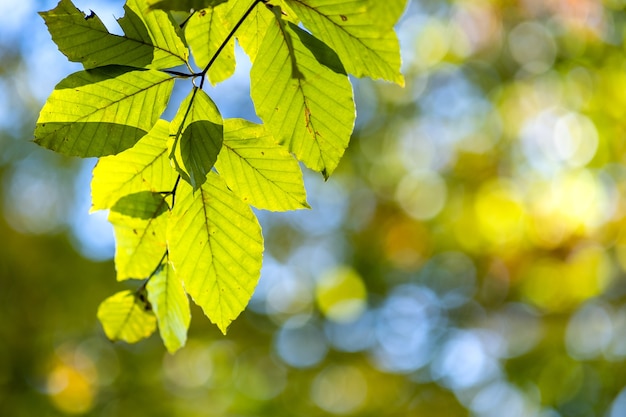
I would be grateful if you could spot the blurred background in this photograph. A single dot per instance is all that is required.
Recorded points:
(467, 258)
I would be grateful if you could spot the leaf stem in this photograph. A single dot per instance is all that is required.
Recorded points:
(228, 38)
(184, 22)
(173, 192)
(153, 273)
(179, 74)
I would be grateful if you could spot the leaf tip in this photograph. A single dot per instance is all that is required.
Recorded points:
(223, 326)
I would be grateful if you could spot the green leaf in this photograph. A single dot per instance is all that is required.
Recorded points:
(127, 316)
(163, 32)
(149, 41)
(198, 132)
(215, 246)
(367, 45)
(144, 167)
(250, 32)
(140, 224)
(387, 13)
(205, 32)
(259, 170)
(171, 307)
(183, 5)
(301, 93)
(102, 111)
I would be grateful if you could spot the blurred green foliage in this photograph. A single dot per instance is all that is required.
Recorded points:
(466, 258)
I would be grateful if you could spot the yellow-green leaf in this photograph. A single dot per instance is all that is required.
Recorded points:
(140, 223)
(183, 5)
(249, 35)
(261, 172)
(300, 91)
(198, 133)
(144, 167)
(102, 111)
(215, 246)
(126, 316)
(367, 45)
(171, 307)
(159, 29)
(205, 32)
(148, 41)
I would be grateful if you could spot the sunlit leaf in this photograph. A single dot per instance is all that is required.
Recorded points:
(171, 307)
(162, 32)
(205, 32)
(386, 13)
(355, 33)
(183, 5)
(256, 23)
(102, 111)
(301, 93)
(216, 247)
(139, 222)
(144, 167)
(260, 171)
(84, 38)
(126, 316)
(198, 132)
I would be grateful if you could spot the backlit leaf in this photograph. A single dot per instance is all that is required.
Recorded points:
(183, 5)
(144, 167)
(205, 32)
(140, 223)
(125, 316)
(161, 30)
(171, 307)
(366, 45)
(215, 246)
(301, 93)
(261, 172)
(387, 13)
(249, 34)
(102, 111)
(84, 38)
(198, 132)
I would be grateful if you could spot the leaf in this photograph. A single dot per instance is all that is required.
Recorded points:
(259, 170)
(144, 167)
(148, 41)
(301, 93)
(249, 33)
(183, 5)
(163, 32)
(171, 307)
(102, 111)
(198, 132)
(366, 45)
(205, 32)
(140, 223)
(387, 13)
(215, 246)
(125, 316)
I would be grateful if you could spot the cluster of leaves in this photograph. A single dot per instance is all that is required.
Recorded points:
(179, 193)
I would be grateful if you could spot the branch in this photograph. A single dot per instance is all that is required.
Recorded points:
(228, 38)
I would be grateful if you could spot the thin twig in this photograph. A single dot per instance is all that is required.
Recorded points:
(179, 74)
(228, 38)
(184, 22)
(153, 273)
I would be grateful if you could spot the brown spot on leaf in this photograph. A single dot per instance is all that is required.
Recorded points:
(343, 18)
(202, 13)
